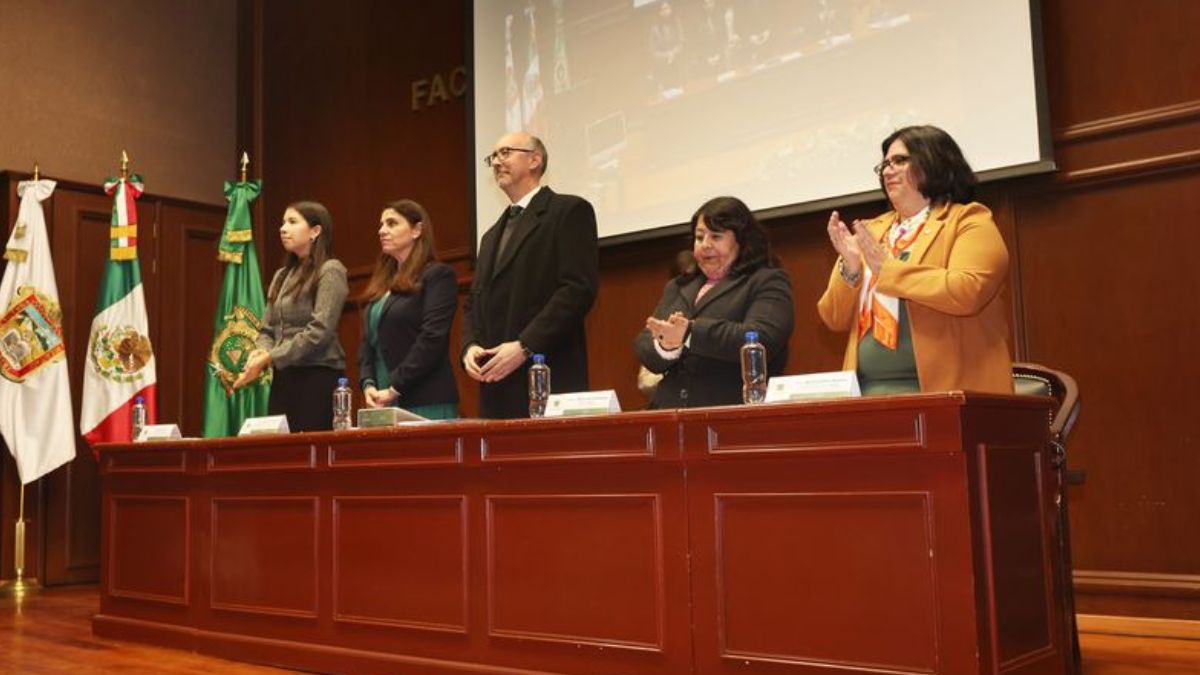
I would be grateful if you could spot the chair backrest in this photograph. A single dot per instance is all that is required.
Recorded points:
(1037, 380)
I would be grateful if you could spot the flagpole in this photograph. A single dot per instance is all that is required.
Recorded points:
(20, 586)
(245, 163)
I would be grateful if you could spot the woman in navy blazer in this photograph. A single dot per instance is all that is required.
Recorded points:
(403, 359)
(696, 333)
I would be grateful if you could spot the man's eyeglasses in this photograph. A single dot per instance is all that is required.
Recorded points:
(897, 162)
(503, 154)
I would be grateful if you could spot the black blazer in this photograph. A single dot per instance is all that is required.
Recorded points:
(538, 292)
(709, 371)
(414, 336)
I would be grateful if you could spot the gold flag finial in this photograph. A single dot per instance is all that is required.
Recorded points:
(124, 164)
(37, 173)
(245, 163)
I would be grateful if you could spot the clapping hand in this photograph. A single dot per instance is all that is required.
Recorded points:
(856, 245)
(846, 243)
(873, 253)
(669, 333)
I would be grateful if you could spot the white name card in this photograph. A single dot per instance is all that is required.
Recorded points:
(159, 432)
(583, 403)
(271, 424)
(834, 384)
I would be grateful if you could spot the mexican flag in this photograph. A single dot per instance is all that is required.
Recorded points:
(239, 314)
(35, 398)
(120, 360)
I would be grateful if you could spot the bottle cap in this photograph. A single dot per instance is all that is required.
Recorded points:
(751, 336)
(139, 399)
(343, 381)
(539, 358)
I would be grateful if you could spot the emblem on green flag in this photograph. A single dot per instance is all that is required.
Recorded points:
(232, 346)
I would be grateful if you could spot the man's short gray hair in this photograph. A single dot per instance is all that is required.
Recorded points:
(540, 148)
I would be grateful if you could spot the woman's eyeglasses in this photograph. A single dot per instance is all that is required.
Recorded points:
(897, 162)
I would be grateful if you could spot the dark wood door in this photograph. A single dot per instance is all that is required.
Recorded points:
(70, 545)
(187, 292)
(181, 275)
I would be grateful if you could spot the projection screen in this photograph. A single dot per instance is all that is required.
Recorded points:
(650, 107)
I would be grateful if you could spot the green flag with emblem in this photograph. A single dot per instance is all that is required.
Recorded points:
(239, 314)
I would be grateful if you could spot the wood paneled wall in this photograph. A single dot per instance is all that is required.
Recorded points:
(84, 80)
(329, 96)
(1106, 300)
(1094, 290)
(181, 275)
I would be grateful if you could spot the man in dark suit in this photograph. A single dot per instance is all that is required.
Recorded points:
(535, 280)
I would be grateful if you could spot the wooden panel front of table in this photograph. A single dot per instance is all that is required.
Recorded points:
(895, 535)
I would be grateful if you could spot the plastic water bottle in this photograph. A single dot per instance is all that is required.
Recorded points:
(754, 369)
(539, 386)
(138, 416)
(342, 405)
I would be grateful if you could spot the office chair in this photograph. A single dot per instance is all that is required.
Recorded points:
(1034, 379)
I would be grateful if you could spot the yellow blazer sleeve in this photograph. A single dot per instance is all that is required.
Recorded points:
(838, 306)
(960, 273)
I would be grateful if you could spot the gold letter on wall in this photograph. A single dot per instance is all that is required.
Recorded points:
(420, 89)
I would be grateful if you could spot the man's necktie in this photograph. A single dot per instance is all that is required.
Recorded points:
(514, 212)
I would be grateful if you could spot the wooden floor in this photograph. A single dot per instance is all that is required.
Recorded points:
(51, 632)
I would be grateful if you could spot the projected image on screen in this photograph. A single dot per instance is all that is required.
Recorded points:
(650, 107)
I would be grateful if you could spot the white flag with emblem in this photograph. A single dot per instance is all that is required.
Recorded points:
(35, 398)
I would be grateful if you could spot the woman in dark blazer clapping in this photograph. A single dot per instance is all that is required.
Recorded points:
(403, 359)
(696, 333)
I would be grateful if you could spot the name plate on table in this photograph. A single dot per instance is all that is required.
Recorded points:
(834, 384)
(386, 417)
(159, 432)
(271, 424)
(583, 403)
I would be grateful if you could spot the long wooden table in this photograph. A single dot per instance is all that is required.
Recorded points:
(905, 534)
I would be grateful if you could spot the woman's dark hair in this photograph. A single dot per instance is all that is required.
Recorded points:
(403, 278)
(941, 172)
(731, 214)
(314, 213)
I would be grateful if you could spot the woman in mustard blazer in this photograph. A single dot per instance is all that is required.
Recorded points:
(918, 288)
